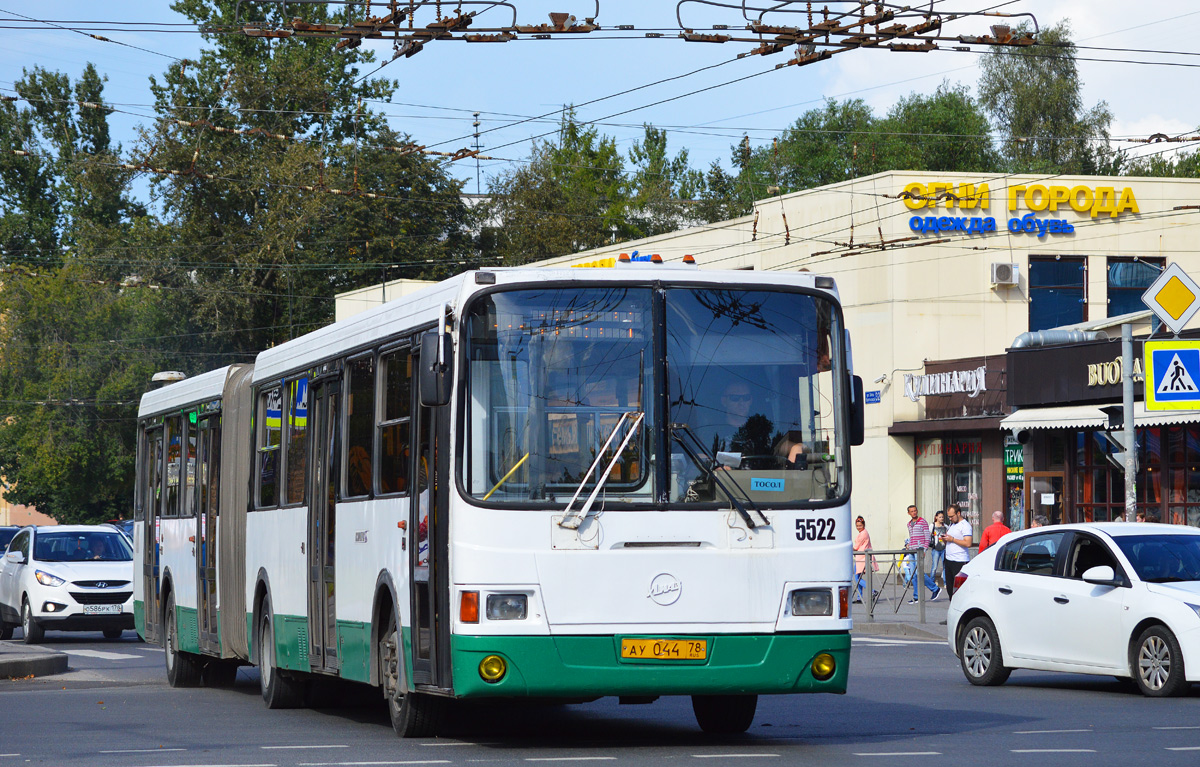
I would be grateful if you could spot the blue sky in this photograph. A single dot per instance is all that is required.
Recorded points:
(443, 84)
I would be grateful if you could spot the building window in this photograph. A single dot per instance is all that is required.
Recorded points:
(950, 470)
(1057, 291)
(1099, 482)
(1128, 279)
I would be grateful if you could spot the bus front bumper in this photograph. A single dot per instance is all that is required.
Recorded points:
(591, 666)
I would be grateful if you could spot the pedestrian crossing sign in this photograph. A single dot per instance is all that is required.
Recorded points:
(1172, 375)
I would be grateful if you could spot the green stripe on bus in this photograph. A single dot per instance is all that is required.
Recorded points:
(139, 617)
(569, 666)
(354, 650)
(187, 626)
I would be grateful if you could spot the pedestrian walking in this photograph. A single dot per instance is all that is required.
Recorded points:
(994, 531)
(937, 549)
(862, 542)
(958, 545)
(918, 538)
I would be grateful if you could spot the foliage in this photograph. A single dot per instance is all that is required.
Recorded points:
(571, 195)
(1034, 97)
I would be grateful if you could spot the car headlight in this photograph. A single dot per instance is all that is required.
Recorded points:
(46, 579)
(507, 607)
(812, 602)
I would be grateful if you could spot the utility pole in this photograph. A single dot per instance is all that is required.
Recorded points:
(1129, 430)
(475, 125)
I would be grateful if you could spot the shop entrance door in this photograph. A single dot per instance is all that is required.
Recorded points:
(1044, 495)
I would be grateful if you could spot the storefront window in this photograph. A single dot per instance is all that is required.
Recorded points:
(1057, 291)
(1099, 482)
(1128, 279)
(950, 470)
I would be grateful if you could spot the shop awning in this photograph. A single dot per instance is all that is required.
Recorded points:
(1090, 416)
(946, 425)
(1063, 417)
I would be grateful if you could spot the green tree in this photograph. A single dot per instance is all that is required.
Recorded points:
(1034, 97)
(663, 187)
(944, 131)
(571, 195)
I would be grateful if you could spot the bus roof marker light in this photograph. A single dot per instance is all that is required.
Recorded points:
(485, 278)
(624, 258)
(826, 283)
(689, 259)
(656, 258)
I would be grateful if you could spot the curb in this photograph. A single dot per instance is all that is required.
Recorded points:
(18, 664)
(929, 631)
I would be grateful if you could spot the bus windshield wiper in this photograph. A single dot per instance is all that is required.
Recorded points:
(701, 458)
(572, 520)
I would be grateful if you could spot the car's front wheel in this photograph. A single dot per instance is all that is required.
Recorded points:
(6, 629)
(29, 625)
(1158, 663)
(979, 653)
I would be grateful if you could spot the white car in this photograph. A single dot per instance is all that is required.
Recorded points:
(67, 578)
(1114, 598)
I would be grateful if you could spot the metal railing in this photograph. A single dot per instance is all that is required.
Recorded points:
(893, 571)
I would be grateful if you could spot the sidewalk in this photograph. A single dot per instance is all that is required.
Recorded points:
(895, 617)
(19, 660)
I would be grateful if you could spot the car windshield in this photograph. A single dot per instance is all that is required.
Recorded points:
(1163, 558)
(108, 546)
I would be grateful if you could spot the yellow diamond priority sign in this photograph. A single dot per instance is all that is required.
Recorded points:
(1174, 297)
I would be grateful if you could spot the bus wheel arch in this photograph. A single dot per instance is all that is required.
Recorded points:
(385, 613)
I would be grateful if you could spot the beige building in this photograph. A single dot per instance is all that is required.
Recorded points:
(939, 274)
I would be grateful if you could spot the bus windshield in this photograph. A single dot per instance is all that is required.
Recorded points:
(751, 387)
(552, 372)
(752, 401)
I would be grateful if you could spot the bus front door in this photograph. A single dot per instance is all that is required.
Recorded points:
(429, 554)
(151, 548)
(208, 476)
(323, 419)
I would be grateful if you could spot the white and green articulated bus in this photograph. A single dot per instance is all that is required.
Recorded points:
(518, 483)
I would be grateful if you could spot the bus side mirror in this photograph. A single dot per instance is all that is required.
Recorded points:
(434, 375)
(858, 415)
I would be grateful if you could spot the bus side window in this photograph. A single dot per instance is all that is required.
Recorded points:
(360, 437)
(395, 421)
(270, 422)
(174, 447)
(296, 458)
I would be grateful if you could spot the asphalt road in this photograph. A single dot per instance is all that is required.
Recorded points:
(907, 704)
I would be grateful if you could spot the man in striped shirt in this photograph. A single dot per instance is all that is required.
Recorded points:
(918, 538)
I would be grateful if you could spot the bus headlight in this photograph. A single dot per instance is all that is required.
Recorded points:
(507, 607)
(823, 666)
(812, 602)
(492, 669)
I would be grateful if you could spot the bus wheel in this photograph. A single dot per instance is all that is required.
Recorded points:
(413, 715)
(182, 668)
(220, 673)
(278, 690)
(724, 714)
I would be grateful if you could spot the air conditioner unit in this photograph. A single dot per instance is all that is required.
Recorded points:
(1005, 274)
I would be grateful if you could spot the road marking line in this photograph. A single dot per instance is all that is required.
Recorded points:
(1052, 750)
(569, 758)
(1181, 727)
(730, 756)
(1183, 748)
(214, 765)
(899, 753)
(1046, 732)
(366, 764)
(142, 750)
(103, 655)
(282, 747)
